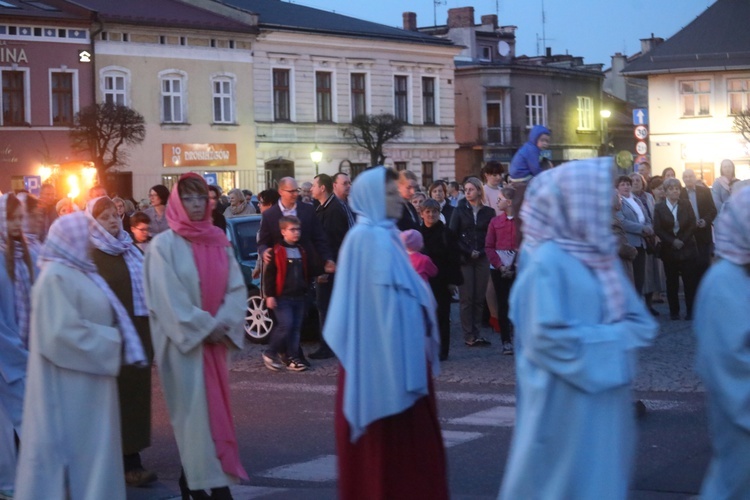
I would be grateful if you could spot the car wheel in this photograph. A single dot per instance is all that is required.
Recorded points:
(258, 321)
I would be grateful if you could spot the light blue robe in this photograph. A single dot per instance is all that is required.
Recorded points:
(722, 326)
(575, 423)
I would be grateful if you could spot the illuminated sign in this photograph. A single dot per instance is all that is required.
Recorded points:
(199, 155)
(84, 56)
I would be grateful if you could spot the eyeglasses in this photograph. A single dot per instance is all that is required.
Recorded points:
(194, 199)
(291, 190)
(141, 229)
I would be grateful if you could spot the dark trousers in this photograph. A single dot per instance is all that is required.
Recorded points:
(322, 300)
(639, 270)
(502, 289)
(476, 273)
(285, 336)
(443, 299)
(673, 270)
(704, 260)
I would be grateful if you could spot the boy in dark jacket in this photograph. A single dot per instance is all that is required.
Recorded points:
(285, 280)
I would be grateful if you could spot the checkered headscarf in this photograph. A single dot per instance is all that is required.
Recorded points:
(732, 229)
(120, 245)
(68, 243)
(23, 275)
(572, 206)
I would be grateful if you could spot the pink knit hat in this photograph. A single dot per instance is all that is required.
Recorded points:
(413, 240)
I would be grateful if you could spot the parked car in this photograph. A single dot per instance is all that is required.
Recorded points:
(241, 232)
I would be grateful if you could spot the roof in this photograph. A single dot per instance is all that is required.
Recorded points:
(166, 13)
(278, 15)
(36, 10)
(718, 39)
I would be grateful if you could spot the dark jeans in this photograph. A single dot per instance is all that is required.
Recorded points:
(323, 298)
(639, 270)
(502, 289)
(703, 262)
(285, 335)
(443, 299)
(673, 270)
(476, 274)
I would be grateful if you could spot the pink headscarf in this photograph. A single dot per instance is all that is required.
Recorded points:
(208, 243)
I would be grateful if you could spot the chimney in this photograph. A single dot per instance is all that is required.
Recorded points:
(490, 20)
(649, 44)
(548, 52)
(462, 17)
(410, 21)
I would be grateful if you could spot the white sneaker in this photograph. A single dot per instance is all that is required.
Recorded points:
(507, 348)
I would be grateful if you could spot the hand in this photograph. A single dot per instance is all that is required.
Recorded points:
(677, 244)
(218, 333)
(323, 278)
(330, 267)
(701, 223)
(474, 254)
(648, 231)
(452, 289)
(267, 254)
(271, 302)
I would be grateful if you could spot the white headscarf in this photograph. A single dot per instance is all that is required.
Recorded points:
(732, 229)
(572, 206)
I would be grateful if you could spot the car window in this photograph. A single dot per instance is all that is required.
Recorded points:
(245, 238)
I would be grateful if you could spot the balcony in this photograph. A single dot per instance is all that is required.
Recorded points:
(501, 136)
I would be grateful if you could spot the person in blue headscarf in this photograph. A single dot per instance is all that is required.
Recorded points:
(722, 326)
(528, 162)
(578, 324)
(381, 325)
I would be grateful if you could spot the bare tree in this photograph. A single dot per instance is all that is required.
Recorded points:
(742, 124)
(104, 130)
(371, 132)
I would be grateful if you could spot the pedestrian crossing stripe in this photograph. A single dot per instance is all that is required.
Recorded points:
(498, 416)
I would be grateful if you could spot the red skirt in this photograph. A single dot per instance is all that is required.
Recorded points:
(401, 456)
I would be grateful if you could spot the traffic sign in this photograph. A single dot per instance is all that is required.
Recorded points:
(211, 178)
(641, 132)
(33, 184)
(640, 116)
(641, 148)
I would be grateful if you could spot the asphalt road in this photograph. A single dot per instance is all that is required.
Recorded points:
(285, 425)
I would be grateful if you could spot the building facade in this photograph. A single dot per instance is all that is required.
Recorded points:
(501, 96)
(698, 82)
(47, 77)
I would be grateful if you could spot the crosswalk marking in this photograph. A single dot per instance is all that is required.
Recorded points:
(320, 469)
(454, 438)
(244, 491)
(499, 416)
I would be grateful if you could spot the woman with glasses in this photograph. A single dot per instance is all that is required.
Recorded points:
(196, 297)
(158, 196)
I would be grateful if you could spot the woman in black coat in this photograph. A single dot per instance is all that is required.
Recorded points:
(679, 251)
(470, 222)
(441, 245)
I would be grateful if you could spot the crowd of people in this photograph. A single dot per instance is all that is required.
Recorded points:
(91, 296)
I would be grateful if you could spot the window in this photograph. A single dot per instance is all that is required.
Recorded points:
(585, 113)
(62, 98)
(535, 110)
(494, 123)
(172, 98)
(485, 53)
(162, 40)
(738, 90)
(323, 96)
(359, 94)
(428, 100)
(428, 175)
(183, 40)
(125, 37)
(695, 96)
(401, 97)
(281, 95)
(104, 35)
(114, 90)
(400, 165)
(14, 109)
(222, 94)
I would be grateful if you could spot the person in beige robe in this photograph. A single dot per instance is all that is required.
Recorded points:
(179, 327)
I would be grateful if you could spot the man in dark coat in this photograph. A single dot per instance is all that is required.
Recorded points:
(705, 212)
(335, 222)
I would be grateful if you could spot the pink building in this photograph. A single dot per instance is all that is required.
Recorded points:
(47, 77)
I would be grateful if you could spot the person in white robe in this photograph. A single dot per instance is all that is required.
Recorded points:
(578, 325)
(80, 335)
(185, 329)
(722, 327)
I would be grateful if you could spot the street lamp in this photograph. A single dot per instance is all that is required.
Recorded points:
(316, 155)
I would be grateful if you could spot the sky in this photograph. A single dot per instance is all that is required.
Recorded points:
(594, 29)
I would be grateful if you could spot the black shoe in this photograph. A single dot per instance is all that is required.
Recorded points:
(322, 353)
(674, 317)
(653, 311)
(139, 477)
(640, 408)
(478, 342)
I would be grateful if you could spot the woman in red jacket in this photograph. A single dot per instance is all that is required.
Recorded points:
(502, 250)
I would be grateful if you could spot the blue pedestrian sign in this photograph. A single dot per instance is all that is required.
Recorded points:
(640, 116)
(33, 184)
(212, 179)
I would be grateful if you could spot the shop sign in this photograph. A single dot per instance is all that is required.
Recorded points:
(199, 155)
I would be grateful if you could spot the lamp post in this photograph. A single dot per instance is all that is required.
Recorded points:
(605, 114)
(316, 155)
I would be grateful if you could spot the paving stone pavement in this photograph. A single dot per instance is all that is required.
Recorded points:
(667, 365)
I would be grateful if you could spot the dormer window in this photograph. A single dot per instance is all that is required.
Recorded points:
(485, 53)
